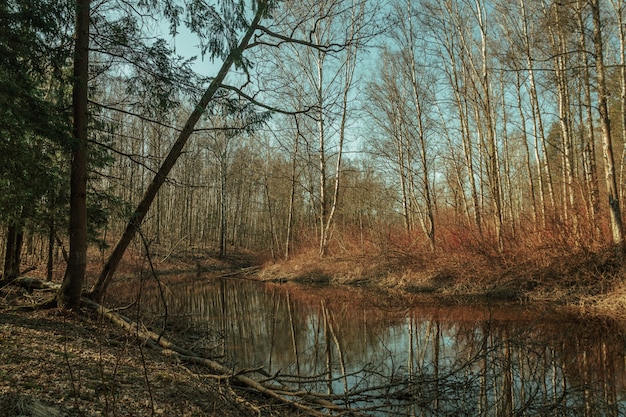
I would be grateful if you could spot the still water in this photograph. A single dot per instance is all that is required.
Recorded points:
(396, 354)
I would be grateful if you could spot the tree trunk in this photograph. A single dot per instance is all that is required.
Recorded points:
(70, 291)
(100, 287)
(538, 129)
(12, 254)
(428, 218)
(350, 66)
(618, 6)
(51, 243)
(292, 192)
(459, 81)
(323, 209)
(588, 139)
(560, 47)
(528, 164)
(605, 124)
(492, 158)
(223, 168)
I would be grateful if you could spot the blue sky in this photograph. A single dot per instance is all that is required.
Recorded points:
(187, 45)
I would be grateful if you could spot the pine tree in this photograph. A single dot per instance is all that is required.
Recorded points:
(33, 128)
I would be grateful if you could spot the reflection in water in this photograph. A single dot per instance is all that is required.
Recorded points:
(418, 360)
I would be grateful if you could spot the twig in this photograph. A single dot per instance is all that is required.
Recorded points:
(30, 268)
(172, 249)
(156, 278)
(128, 307)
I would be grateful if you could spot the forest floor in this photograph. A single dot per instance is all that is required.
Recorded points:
(76, 364)
(66, 364)
(58, 365)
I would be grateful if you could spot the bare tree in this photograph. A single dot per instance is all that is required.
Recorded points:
(419, 89)
(617, 230)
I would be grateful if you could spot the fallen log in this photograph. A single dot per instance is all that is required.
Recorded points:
(32, 283)
(170, 349)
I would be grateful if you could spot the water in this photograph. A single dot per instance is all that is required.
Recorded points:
(397, 354)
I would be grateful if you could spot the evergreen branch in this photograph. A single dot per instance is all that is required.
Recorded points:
(137, 115)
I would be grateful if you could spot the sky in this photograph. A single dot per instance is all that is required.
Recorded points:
(186, 44)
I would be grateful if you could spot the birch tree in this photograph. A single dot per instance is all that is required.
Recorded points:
(617, 231)
(419, 81)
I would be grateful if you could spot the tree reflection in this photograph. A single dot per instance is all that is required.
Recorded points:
(417, 359)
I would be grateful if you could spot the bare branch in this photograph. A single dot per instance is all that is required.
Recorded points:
(254, 101)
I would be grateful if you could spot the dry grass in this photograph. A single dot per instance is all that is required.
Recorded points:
(610, 303)
(552, 266)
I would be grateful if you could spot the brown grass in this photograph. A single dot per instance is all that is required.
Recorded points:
(552, 266)
(558, 265)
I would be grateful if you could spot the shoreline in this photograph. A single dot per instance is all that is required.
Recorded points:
(68, 364)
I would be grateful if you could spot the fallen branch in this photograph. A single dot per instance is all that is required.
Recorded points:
(240, 273)
(32, 283)
(170, 349)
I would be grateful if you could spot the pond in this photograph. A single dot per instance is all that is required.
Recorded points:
(387, 353)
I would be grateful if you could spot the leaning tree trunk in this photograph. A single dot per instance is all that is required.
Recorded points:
(100, 287)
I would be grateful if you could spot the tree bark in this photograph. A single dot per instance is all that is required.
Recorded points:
(323, 209)
(428, 218)
(588, 138)
(560, 47)
(12, 254)
(51, 243)
(539, 145)
(70, 291)
(223, 168)
(607, 142)
(350, 66)
(492, 157)
(618, 7)
(292, 192)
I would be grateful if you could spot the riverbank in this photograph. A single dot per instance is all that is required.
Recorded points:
(66, 364)
(57, 364)
(593, 283)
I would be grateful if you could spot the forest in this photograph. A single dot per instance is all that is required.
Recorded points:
(294, 207)
(440, 138)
